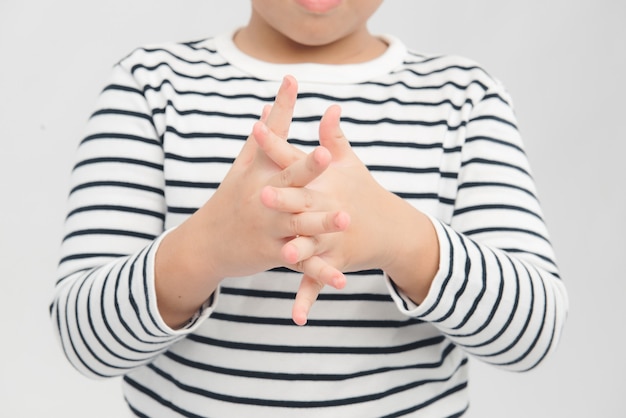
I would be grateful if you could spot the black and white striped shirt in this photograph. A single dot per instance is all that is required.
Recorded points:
(436, 130)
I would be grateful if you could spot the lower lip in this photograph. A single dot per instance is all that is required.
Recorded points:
(319, 6)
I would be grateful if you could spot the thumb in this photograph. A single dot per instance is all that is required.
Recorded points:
(331, 136)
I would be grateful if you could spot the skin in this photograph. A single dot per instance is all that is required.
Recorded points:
(282, 207)
(193, 258)
(282, 31)
(405, 247)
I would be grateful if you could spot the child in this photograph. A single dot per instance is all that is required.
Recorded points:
(405, 236)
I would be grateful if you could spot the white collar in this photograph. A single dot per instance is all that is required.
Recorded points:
(391, 59)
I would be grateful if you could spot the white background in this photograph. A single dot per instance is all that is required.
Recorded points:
(563, 62)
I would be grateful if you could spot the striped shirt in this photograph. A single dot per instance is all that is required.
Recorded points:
(436, 130)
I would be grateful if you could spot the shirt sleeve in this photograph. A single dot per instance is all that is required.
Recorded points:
(497, 293)
(104, 306)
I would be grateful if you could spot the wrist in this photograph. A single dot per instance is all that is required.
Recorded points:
(413, 257)
(183, 282)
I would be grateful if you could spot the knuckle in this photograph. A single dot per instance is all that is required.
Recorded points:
(328, 223)
(295, 224)
(326, 272)
(308, 198)
(319, 285)
(282, 133)
(274, 197)
(285, 177)
(315, 286)
(310, 163)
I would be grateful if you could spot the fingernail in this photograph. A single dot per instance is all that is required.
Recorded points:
(268, 196)
(338, 282)
(342, 220)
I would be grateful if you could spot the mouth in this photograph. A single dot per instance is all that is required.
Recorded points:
(319, 6)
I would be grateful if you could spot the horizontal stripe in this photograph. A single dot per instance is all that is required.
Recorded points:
(499, 229)
(269, 375)
(104, 231)
(486, 161)
(116, 208)
(121, 112)
(201, 159)
(80, 256)
(316, 349)
(118, 160)
(182, 211)
(297, 404)
(467, 185)
(265, 294)
(314, 322)
(120, 184)
(119, 136)
(211, 113)
(482, 208)
(191, 184)
(494, 141)
(205, 135)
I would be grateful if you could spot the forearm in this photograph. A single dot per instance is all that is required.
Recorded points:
(500, 307)
(184, 278)
(104, 307)
(503, 308)
(106, 317)
(498, 292)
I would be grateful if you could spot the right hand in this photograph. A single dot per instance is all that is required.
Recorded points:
(243, 235)
(234, 234)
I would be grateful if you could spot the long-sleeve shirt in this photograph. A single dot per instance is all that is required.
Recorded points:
(438, 131)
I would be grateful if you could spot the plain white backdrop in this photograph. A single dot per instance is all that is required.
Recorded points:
(563, 61)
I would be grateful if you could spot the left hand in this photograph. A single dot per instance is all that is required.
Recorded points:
(375, 215)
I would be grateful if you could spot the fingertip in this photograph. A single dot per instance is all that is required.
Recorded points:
(265, 112)
(260, 132)
(333, 112)
(330, 133)
(289, 252)
(342, 220)
(299, 318)
(322, 156)
(268, 196)
(299, 313)
(289, 80)
(339, 281)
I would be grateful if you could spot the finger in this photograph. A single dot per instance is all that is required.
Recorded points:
(294, 251)
(305, 298)
(292, 200)
(279, 118)
(274, 147)
(331, 135)
(250, 146)
(301, 201)
(317, 274)
(248, 151)
(302, 171)
(321, 271)
(299, 249)
(314, 223)
(265, 113)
